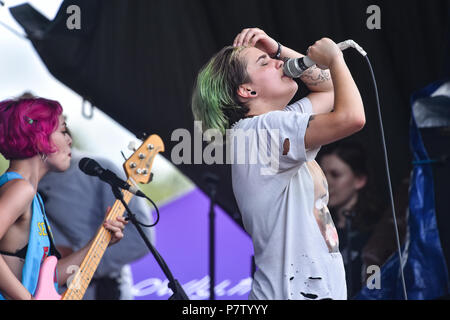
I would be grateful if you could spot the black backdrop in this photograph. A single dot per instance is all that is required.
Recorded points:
(137, 60)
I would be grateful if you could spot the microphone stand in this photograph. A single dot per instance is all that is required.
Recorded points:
(211, 181)
(178, 292)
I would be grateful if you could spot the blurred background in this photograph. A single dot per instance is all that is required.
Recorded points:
(130, 69)
(23, 71)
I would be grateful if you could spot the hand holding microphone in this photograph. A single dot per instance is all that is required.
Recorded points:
(322, 53)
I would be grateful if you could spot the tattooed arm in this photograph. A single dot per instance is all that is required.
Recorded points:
(322, 101)
(318, 81)
(348, 116)
(320, 84)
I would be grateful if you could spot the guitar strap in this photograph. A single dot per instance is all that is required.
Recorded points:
(53, 250)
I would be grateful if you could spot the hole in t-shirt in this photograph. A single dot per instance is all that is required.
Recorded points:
(309, 295)
(286, 146)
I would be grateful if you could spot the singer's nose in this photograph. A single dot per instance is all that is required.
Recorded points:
(279, 64)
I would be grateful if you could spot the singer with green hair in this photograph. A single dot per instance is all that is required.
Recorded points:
(243, 88)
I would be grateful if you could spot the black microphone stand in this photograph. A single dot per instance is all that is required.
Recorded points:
(178, 292)
(212, 181)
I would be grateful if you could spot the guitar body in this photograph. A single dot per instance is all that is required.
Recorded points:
(45, 289)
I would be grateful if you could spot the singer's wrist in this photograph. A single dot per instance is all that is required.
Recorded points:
(338, 59)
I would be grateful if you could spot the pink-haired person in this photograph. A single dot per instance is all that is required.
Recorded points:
(34, 138)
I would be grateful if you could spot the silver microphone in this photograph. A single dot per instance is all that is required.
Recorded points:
(294, 68)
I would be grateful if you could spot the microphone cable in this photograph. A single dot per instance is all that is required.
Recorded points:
(353, 44)
(157, 215)
(154, 205)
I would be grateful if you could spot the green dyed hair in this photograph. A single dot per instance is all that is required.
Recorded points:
(215, 100)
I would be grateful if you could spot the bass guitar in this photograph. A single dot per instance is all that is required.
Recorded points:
(138, 170)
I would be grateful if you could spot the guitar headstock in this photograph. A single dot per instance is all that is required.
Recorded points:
(139, 165)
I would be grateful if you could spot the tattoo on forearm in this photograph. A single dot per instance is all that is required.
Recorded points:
(314, 76)
(311, 118)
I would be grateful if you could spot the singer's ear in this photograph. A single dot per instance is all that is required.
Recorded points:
(245, 91)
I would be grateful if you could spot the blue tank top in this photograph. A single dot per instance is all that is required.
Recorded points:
(39, 242)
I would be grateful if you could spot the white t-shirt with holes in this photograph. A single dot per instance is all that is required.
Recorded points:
(283, 198)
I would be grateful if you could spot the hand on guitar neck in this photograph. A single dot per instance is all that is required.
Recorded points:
(115, 227)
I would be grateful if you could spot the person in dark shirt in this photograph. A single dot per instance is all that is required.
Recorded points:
(353, 205)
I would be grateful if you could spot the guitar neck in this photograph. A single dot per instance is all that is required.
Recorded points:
(83, 276)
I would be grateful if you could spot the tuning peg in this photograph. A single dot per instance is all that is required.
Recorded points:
(133, 165)
(132, 146)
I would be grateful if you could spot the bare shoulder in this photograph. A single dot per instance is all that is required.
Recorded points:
(20, 186)
(15, 197)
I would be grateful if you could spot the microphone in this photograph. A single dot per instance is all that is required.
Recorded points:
(93, 168)
(294, 68)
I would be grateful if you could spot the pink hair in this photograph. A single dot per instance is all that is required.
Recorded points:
(26, 126)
